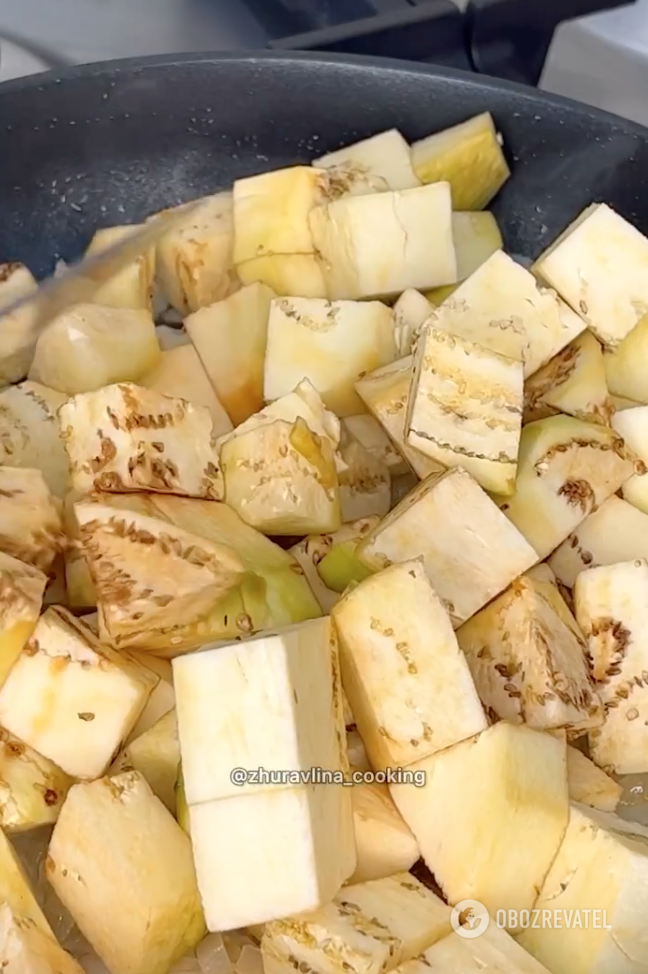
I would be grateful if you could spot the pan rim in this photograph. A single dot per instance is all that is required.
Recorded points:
(362, 64)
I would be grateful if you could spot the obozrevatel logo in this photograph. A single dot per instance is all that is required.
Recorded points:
(469, 919)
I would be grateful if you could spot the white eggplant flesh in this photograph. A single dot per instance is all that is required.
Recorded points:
(25, 949)
(333, 344)
(502, 307)
(411, 311)
(528, 659)
(385, 393)
(599, 875)
(375, 165)
(370, 927)
(470, 551)
(132, 287)
(632, 425)
(281, 479)
(90, 346)
(407, 681)
(31, 528)
(194, 260)
(366, 429)
(469, 156)
(599, 266)
(491, 815)
(566, 469)
(616, 531)
(134, 898)
(590, 785)
(126, 438)
(18, 328)
(22, 589)
(70, 698)
(230, 338)
(379, 245)
(465, 408)
(611, 605)
(573, 382)
(286, 686)
(30, 433)
(268, 855)
(273, 243)
(180, 375)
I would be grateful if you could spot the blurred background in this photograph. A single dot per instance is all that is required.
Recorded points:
(593, 50)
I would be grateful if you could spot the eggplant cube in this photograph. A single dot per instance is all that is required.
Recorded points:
(156, 755)
(134, 898)
(124, 437)
(31, 529)
(132, 287)
(411, 311)
(470, 552)
(612, 610)
(180, 375)
(589, 785)
(599, 265)
(337, 553)
(18, 329)
(194, 259)
(33, 789)
(465, 408)
(15, 889)
(89, 346)
(261, 856)
(469, 156)
(491, 815)
(30, 433)
(273, 701)
(21, 598)
(148, 574)
(381, 244)
(573, 382)
(616, 531)
(273, 243)
(281, 478)
(370, 434)
(25, 949)
(566, 468)
(332, 344)
(492, 950)
(501, 307)
(379, 924)
(632, 425)
(528, 658)
(384, 843)
(477, 237)
(407, 681)
(625, 369)
(385, 392)
(365, 484)
(230, 338)
(304, 402)
(70, 698)
(162, 697)
(382, 162)
(602, 862)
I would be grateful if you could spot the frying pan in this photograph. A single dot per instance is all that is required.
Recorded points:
(110, 143)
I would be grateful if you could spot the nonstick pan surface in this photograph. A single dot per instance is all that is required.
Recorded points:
(110, 143)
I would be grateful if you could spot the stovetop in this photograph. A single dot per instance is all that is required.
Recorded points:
(506, 38)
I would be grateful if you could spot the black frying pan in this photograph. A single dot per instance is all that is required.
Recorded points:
(110, 143)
